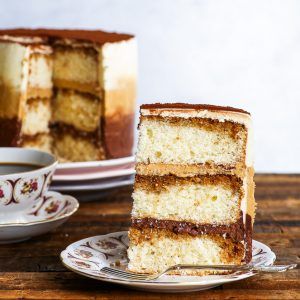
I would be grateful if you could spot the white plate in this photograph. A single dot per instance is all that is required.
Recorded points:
(94, 175)
(95, 185)
(88, 256)
(50, 213)
(96, 164)
(94, 169)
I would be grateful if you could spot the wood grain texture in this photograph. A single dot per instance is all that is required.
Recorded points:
(32, 269)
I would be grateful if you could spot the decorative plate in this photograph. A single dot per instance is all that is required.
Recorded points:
(92, 185)
(94, 169)
(47, 214)
(88, 256)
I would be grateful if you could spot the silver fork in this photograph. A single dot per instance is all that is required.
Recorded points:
(118, 273)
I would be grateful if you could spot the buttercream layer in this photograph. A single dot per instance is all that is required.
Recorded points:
(191, 141)
(153, 250)
(201, 199)
(80, 110)
(118, 73)
(189, 170)
(155, 107)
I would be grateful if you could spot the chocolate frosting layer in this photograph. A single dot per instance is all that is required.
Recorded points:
(96, 36)
(58, 128)
(237, 232)
(192, 106)
(118, 133)
(10, 130)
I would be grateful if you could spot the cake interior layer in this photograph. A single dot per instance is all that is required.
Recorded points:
(40, 72)
(36, 117)
(81, 110)
(76, 68)
(153, 250)
(41, 141)
(69, 147)
(190, 141)
(200, 199)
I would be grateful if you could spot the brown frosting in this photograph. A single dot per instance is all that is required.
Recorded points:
(95, 36)
(118, 133)
(236, 231)
(58, 128)
(192, 106)
(248, 238)
(10, 132)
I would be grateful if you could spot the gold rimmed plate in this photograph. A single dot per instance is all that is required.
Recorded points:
(86, 257)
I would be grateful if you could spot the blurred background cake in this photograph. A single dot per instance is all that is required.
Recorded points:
(194, 191)
(71, 92)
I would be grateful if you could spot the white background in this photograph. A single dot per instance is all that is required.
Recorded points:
(239, 53)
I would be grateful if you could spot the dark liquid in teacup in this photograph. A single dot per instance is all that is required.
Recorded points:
(11, 168)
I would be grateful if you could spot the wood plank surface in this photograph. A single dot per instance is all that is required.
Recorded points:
(32, 269)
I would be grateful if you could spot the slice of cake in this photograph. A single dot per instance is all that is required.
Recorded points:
(194, 191)
(91, 78)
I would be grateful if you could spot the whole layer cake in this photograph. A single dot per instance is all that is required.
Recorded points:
(71, 92)
(194, 191)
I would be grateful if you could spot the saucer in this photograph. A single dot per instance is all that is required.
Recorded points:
(45, 215)
(86, 257)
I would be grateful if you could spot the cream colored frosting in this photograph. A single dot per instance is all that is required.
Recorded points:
(119, 61)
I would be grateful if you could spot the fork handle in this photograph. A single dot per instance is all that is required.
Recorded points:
(274, 268)
(268, 269)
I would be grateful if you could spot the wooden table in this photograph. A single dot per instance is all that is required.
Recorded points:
(32, 269)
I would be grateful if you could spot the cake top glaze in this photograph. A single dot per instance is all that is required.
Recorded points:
(192, 106)
(95, 36)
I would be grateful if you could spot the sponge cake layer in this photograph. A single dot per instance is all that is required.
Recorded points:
(172, 140)
(81, 110)
(152, 250)
(76, 68)
(198, 200)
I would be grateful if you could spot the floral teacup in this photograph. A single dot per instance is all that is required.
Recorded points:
(25, 176)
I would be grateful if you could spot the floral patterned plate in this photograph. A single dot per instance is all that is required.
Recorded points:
(88, 256)
(45, 215)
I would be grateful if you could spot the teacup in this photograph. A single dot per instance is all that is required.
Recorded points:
(25, 176)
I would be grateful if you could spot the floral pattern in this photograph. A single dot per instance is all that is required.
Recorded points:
(52, 207)
(19, 192)
(30, 186)
(111, 250)
(106, 244)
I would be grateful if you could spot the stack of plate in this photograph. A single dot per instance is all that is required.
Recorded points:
(93, 175)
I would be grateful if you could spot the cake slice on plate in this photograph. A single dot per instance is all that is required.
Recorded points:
(194, 191)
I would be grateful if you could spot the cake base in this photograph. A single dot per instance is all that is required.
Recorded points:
(154, 250)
